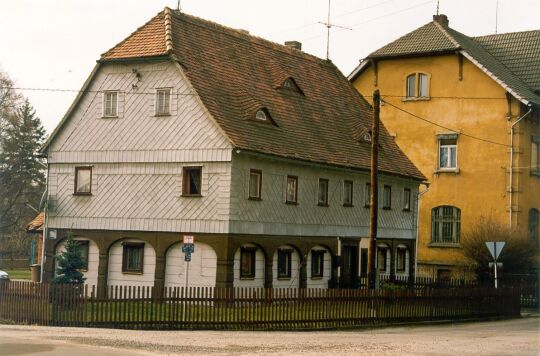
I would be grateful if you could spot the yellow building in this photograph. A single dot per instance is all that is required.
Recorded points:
(465, 110)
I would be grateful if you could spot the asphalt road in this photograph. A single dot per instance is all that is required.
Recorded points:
(508, 337)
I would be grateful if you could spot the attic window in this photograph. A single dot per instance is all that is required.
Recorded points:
(290, 84)
(261, 115)
(366, 137)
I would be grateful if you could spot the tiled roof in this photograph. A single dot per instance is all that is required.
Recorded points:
(36, 225)
(235, 74)
(512, 59)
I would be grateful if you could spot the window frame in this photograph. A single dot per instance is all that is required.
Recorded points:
(157, 111)
(317, 262)
(401, 250)
(406, 199)
(535, 151)
(185, 181)
(438, 221)
(367, 195)
(417, 90)
(126, 245)
(325, 201)
(84, 245)
(387, 193)
(258, 195)
(448, 146)
(287, 254)
(385, 258)
(295, 201)
(252, 252)
(76, 183)
(116, 106)
(348, 201)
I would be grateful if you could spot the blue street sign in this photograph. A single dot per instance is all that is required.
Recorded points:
(188, 248)
(187, 257)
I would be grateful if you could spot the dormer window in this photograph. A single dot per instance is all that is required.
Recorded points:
(290, 84)
(366, 137)
(417, 86)
(261, 115)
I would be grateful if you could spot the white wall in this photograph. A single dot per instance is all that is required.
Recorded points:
(294, 281)
(115, 275)
(91, 274)
(319, 282)
(202, 268)
(258, 281)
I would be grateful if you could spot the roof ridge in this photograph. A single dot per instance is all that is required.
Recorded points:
(504, 33)
(168, 30)
(245, 35)
(448, 35)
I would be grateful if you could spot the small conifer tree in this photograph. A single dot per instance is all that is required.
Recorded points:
(70, 262)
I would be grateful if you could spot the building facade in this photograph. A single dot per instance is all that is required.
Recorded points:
(245, 151)
(466, 111)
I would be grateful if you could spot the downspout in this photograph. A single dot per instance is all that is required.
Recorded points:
(45, 232)
(511, 190)
(417, 227)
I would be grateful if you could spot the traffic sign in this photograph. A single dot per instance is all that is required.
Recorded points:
(188, 248)
(495, 248)
(187, 257)
(189, 239)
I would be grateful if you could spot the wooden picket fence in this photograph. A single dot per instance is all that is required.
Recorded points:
(246, 308)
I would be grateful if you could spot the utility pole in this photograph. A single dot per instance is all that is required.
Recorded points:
(374, 199)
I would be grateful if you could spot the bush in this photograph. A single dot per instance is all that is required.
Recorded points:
(518, 255)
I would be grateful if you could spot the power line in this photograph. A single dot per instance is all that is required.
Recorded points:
(446, 127)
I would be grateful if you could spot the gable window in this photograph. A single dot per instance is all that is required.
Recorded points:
(347, 193)
(533, 224)
(132, 257)
(247, 262)
(323, 192)
(317, 263)
(387, 197)
(191, 182)
(406, 199)
(447, 152)
(417, 86)
(83, 252)
(255, 182)
(535, 155)
(110, 104)
(445, 224)
(284, 263)
(163, 101)
(367, 195)
(83, 180)
(292, 190)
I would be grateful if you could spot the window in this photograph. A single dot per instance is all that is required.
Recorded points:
(417, 86)
(401, 258)
(284, 263)
(290, 84)
(445, 224)
(447, 152)
(292, 190)
(533, 224)
(535, 155)
(406, 199)
(367, 195)
(110, 104)
(255, 183)
(163, 101)
(132, 257)
(261, 115)
(83, 252)
(247, 262)
(323, 192)
(382, 252)
(387, 197)
(317, 263)
(83, 180)
(191, 183)
(347, 193)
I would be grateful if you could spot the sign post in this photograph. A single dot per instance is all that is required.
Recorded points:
(188, 248)
(495, 248)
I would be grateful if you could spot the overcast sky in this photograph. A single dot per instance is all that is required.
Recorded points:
(54, 43)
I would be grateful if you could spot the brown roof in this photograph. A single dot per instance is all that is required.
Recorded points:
(36, 225)
(235, 74)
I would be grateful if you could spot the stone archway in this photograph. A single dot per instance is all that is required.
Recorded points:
(202, 267)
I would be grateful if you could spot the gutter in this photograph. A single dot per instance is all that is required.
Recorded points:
(416, 230)
(511, 190)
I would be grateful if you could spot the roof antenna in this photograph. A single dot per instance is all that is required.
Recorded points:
(496, 15)
(179, 5)
(329, 25)
(437, 7)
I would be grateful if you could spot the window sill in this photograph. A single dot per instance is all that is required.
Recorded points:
(447, 170)
(254, 198)
(386, 208)
(316, 278)
(348, 206)
(291, 202)
(406, 210)
(133, 272)
(367, 206)
(323, 205)
(444, 244)
(191, 195)
(83, 194)
(416, 98)
(162, 115)
(283, 278)
(110, 117)
(247, 278)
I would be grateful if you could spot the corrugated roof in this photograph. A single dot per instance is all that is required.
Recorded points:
(235, 74)
(36, 225)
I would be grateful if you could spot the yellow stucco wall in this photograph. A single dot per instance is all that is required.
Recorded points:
(481, 186)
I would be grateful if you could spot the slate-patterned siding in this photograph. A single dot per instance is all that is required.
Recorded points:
(137, 135)
(141, 197)
(272, 216)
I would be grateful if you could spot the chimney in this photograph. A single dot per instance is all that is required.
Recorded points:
(294, 44)
(441, 19)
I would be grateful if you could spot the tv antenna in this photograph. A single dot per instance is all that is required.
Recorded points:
(179, 5)
(329, 25)
(437, 7)
(496, 15)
